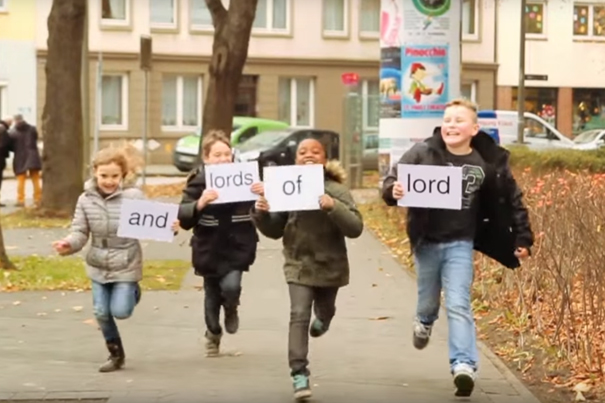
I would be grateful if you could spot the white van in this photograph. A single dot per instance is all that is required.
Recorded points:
(538, 133)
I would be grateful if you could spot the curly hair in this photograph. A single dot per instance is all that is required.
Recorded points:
(126, 156)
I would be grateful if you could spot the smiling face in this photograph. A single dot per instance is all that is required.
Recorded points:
(108, 177)
(219, 153)
(310, 151)
(459, 127)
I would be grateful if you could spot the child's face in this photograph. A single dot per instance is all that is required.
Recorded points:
(108, 177)
(220, 153)
(459, 126)
(310, 151)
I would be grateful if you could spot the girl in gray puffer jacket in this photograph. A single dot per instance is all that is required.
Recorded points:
(114, 264)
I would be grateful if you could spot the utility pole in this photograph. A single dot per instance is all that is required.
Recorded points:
(85, 84)
(521, 87)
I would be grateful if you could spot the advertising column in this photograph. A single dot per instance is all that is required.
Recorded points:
(419, 71)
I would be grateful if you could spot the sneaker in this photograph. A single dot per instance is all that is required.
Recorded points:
(317, 328)
(464, 379)
(302, 389)
(422, 334)
(231, 320)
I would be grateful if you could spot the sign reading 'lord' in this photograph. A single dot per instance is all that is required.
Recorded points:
(294, 187)
(429, 186)
(233, 181)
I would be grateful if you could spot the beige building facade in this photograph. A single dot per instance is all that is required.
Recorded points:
(297, 55)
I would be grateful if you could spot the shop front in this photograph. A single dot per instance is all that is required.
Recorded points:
(588, 109)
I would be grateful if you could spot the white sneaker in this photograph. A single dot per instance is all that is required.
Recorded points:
(464, 379)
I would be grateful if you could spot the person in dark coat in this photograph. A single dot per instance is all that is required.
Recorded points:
(5, 148)
(223, 244)
(27, 161)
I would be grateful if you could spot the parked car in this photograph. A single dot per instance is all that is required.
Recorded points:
(370, 152)
(278, 147)
(244, 128)
(590, 140)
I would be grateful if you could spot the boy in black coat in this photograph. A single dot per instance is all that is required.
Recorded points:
(493, 220)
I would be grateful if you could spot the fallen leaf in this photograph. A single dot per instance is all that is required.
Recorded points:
(41, 314)
(17, 303)
(78, 308)
(374, 285)
(381, 318)
(58, 310)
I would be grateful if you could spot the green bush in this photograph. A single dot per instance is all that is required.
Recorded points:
(558, 159)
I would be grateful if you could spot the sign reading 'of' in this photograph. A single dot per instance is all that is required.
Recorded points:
(232, 182)
(294, 187)
(429, 186)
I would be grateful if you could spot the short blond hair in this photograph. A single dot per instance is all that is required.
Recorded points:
(213, 137)
(465, 103)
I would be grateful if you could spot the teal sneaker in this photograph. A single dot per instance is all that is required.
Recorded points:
(302, 389)
(317, 328)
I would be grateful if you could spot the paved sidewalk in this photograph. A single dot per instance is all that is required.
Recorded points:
(50, 350)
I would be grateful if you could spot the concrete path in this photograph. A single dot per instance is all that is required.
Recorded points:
(49, 349)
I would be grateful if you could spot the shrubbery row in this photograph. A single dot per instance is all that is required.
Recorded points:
(592, 161)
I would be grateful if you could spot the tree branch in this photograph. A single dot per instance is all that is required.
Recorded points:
(217, 11)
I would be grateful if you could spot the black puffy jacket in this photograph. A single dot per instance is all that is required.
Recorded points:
(503, 223)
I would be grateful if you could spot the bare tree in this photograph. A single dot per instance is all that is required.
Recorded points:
(5, 262)
(232, 29)
(62, 115)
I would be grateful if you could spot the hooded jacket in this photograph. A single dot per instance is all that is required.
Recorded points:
(315, 249)
(110, 257)
(503, 221)
(224, 237)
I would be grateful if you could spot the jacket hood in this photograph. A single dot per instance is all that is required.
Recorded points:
(482, 142)
(335, 171)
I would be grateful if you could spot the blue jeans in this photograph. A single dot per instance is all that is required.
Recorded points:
(113, 300)
(449, 266)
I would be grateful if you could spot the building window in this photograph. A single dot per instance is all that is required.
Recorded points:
(297, 101)
(163, 13)
(469, 91)
(370, 91)
(589, 109)
(535, 21)
(369, 18)
(3, 5)
(115, 12)
(589, 21)
(540, 101)
(114, 102)
(272, 16)
(201, 19)
(335, 18)
(181, 102)
(470, 19)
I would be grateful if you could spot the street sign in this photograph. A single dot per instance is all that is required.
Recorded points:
(350, 78)
(536, 77)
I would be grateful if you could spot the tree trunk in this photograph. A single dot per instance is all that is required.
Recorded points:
(62, 115)
(229, 52)
(5, 262)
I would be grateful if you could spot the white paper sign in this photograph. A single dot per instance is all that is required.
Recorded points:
(294, 187)
(430, 186)
(147, 220)
(232, 181)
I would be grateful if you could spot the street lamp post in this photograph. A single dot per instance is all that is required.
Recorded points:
(521, 87)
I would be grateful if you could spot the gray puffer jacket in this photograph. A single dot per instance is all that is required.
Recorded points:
(110, 258)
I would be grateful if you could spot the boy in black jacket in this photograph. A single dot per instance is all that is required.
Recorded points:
(493, 220)
(223, 244)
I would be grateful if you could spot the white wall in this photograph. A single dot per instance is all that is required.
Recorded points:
(18, 74)
(567, 61)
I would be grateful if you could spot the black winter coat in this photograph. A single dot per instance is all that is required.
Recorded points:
(5, 144)
(224, 236)
(503, 222)
(24, 140)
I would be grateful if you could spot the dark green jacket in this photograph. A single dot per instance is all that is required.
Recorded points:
(315, 250)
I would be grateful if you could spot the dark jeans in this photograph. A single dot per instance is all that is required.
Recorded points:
(302, 299)
(221, 291)
(113, 300)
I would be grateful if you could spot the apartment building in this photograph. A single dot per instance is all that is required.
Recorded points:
(565, 61)
(297, 54)
(18, 58)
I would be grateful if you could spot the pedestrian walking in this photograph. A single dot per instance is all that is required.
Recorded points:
(5, 148)
(223, 245)
(113, 264)
(493, 220)
(316, 262)
(26, 159)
